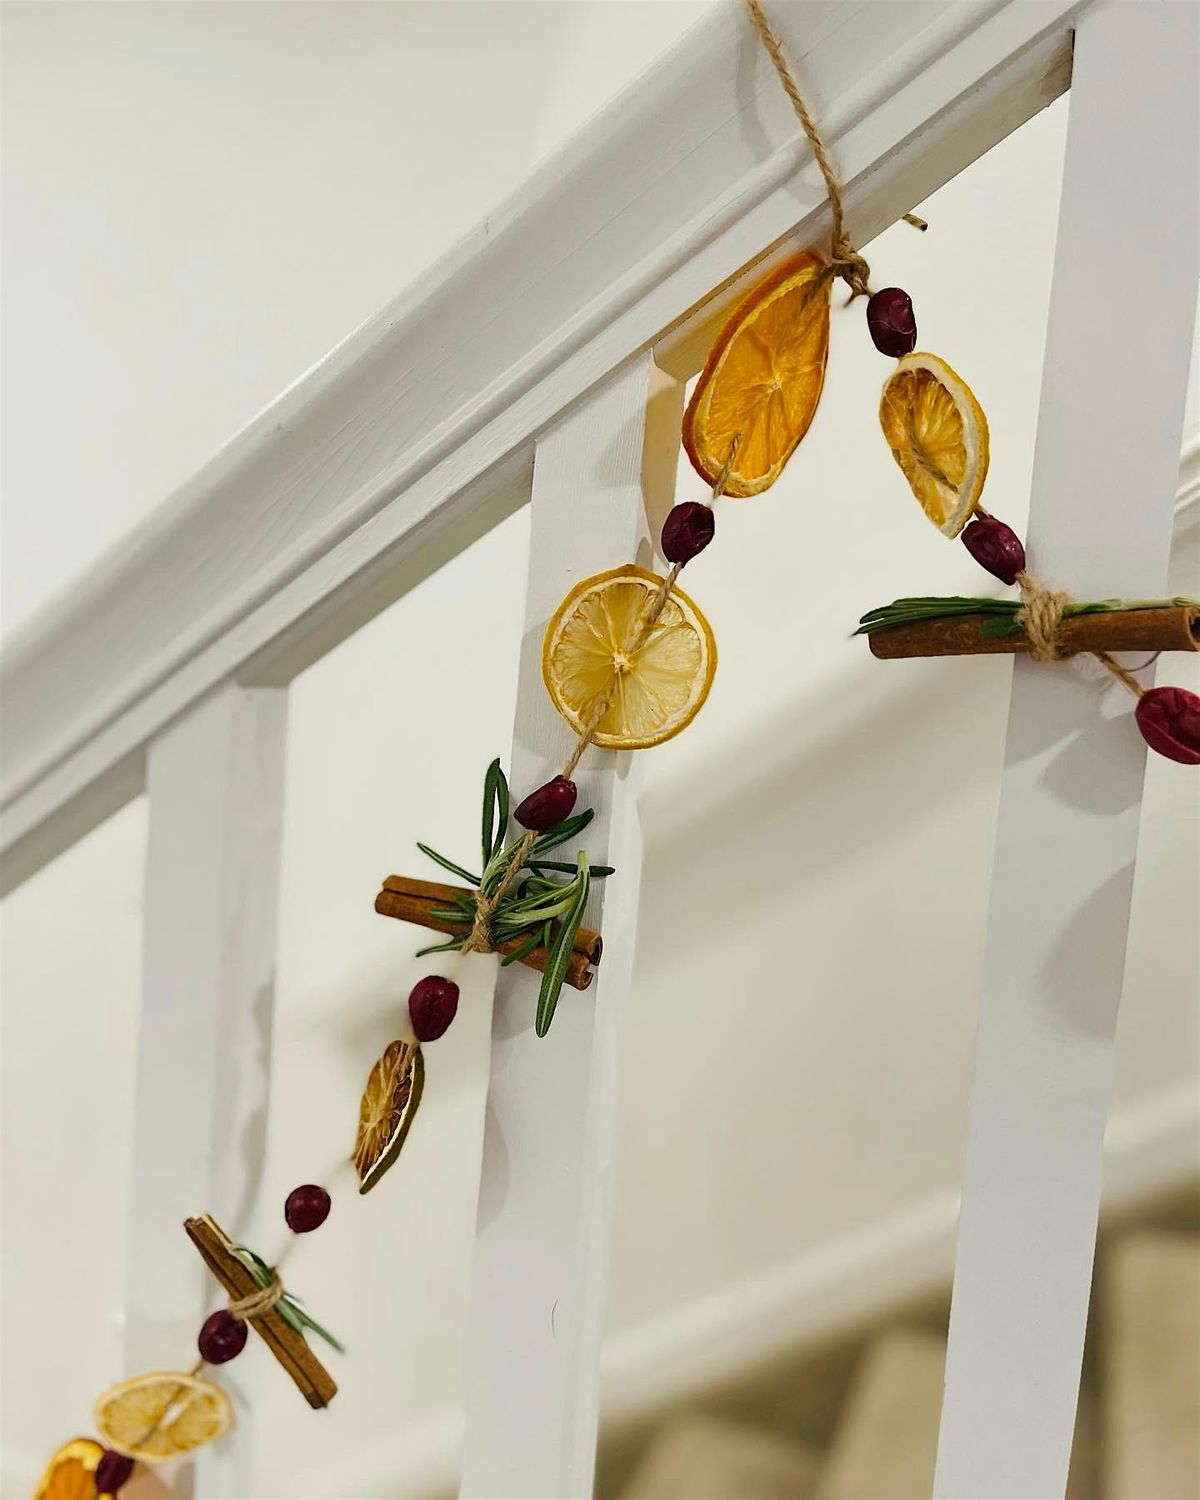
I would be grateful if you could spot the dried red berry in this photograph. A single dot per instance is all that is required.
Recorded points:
(892, 322)
(687, 531)
(549, 805)
(306, 1208)
(994, 546)
(1169, 718)
(222, 1338)
(112, 1472)
(432, 1005)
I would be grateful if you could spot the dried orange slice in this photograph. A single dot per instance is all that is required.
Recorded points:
(161, 1415)
(763, 378)
(938, 435)
(590, 655)
(70, 1474)
(389, 1103)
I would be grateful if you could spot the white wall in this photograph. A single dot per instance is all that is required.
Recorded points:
(796, 1061)
(193, 213)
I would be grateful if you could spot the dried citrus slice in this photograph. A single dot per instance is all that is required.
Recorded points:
(938, 435)
(70, 1474)
(389, 1103)
(763, 378)
(590, 655)
(161, 1415)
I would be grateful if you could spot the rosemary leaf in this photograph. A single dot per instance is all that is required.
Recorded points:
(597, 872)
(560, 953)
(452, 946)
(447, 864)
(561, 832)
(305, 1321)
(518, 954)
(495, 809)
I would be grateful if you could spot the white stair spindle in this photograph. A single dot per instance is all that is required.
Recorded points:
(1104, 482)
(215, 784)
(545, 1194)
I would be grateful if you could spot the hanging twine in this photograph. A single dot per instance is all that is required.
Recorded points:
(479, 939)
(845, 257)
(1040, 615)
(261, 1300)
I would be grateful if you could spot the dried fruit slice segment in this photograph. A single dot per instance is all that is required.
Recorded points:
(763, 378)
(158, 1416)
(651, 691)
(389, 1103)
(938, 435)
(70, 1474)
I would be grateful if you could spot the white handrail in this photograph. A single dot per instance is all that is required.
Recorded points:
(417, 431)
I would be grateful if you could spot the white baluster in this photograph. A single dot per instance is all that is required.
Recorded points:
(545, 1194)
(1104, 483)
(215, 784)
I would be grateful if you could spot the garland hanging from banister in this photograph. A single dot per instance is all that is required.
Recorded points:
(627, 660)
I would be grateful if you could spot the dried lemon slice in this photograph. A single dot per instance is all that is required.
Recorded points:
(389, 1103)
(70, 1474)
(161, 1415)
(763, 378)
(590, 655)
(938, 435)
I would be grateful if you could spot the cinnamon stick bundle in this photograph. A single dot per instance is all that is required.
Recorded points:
(1174, 627)
(290, 1348)
(411, 900)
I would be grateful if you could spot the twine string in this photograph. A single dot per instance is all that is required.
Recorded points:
(261, 1300)
(845, 256)
(479, 939)
(1040, 616)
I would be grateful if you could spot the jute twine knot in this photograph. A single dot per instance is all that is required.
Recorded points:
(1041, 614)
(261, 1300)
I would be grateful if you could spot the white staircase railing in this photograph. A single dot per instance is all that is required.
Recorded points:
(540, 351)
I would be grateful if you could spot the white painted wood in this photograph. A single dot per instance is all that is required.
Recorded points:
(546, 1185)
(1104, 478)
(338, 496)
(215, 785)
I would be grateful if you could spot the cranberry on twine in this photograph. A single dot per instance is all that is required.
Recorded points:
(306, 1208)
(113, 1470)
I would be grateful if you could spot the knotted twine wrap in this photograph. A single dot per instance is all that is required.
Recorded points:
(1039, 616)
(844, 255)
(254, 1304)
(479, 939)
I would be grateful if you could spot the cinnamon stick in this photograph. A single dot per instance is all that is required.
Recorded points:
(290, 1348)
(411, 900)
(1174, 627)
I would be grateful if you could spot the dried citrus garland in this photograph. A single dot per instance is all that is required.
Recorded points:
(628, 660)
(938, 434)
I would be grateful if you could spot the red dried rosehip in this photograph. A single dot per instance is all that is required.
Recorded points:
(432, 1005)
(112, 1472)
(549, 805)
(687, 531)
(892, 322)
(222, 1338)
(994, 546)
(1169, 718)
(306, 1208)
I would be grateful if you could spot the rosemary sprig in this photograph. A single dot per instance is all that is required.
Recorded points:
(289, 1308)
(539, 909)
(912, 611)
